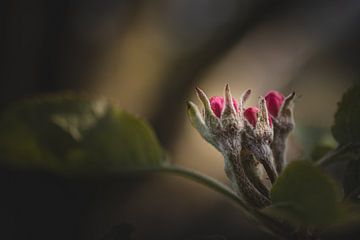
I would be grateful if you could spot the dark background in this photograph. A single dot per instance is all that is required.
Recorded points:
(147, 56)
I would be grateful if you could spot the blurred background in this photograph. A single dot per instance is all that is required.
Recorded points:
(147, 57)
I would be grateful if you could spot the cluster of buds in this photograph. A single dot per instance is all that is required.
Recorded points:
(250, 139)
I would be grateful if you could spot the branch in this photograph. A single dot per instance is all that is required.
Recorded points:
(337, 152)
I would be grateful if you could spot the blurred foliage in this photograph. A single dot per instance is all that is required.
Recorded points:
(346, 131)
(347, 118)
(352, 180)
(72, 135)
(305, 195)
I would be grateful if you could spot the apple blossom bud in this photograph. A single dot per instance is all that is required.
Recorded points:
(274, 101)
(217, 105)
(220, 124)
(251, 114)
(281, 110)
(259, 135)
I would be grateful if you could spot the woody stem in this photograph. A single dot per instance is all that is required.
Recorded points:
(241, 183)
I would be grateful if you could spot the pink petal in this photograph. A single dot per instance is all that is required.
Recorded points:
(251, 115)
(217, 105)
(274, 101)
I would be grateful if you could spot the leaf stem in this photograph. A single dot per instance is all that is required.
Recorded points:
(340, 150)
(267, 223)
(207, 181)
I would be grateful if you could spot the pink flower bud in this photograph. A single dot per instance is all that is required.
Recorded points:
(218, 103)
(274, 101)
(251, 114)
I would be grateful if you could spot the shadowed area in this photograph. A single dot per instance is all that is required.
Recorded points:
(147, 57)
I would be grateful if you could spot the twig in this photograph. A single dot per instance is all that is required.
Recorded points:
(340, 150)
(266, 223)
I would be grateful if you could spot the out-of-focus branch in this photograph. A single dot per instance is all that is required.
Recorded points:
(180, 79)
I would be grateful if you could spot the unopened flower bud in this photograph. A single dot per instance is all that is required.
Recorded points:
(259, 135)
(251, 115)
(220, 124)
(274, 101)
(217, 105)
(281, 109)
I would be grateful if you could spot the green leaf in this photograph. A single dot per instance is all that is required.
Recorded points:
(347, 118)
(72, 135)
(304, 194)
(351, 181)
